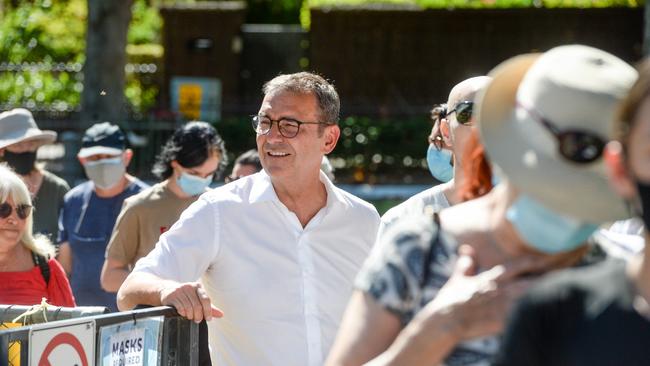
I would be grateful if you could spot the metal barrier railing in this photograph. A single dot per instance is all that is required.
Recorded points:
(49, 314)
(178, 343)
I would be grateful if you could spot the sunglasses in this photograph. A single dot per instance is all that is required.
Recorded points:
(22, 211)
(575, 145)
(463, 112)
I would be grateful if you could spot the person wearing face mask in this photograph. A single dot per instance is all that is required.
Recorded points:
(598, 315)
(187, 164)
(439, 155)
(20, 138)
(441, 285)
(91, 209)
(446, 145)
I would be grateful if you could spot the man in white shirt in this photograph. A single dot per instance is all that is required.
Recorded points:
(276, 251)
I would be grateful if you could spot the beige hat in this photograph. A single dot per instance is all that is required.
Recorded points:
(17, 125)
(572, 87)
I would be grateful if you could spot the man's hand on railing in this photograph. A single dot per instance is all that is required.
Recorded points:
(190, 300)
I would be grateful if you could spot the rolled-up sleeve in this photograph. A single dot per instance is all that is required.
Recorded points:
(188, 248)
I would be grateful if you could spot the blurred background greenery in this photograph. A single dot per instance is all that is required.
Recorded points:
(38, 34)
(42, 45)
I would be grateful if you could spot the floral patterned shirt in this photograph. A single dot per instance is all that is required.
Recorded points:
(409, 264)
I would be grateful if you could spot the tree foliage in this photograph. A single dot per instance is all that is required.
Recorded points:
(42, 44)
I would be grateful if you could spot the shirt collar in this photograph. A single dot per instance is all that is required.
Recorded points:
(262, 190)
(334, 196)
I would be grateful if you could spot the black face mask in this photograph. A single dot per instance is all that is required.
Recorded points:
(644, 197)
(22, 163)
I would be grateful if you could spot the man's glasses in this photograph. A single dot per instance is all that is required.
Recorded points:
(463, 112)
(22, 211)
(578, 146)
(288, 127)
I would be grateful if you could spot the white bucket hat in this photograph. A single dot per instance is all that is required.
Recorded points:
(17, 125)
(572, 87)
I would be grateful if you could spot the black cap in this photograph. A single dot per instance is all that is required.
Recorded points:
(102, 138)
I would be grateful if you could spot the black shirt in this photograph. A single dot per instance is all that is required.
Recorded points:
(577, 317)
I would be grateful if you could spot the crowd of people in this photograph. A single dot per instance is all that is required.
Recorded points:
(529, 251)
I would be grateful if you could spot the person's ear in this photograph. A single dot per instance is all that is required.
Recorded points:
(617, 170)
(82, 161)
(332, 134)
(445, 131)
(176, 167)
(127, 156)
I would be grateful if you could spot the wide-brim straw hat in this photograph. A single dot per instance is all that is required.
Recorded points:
(574, 87)
(18, 125)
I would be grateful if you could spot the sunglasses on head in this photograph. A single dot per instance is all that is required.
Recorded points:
(575, 145)
(463, 112)
(22, 211)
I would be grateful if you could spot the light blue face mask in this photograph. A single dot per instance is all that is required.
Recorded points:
(193, 185)
(439, 162)
(546, 230)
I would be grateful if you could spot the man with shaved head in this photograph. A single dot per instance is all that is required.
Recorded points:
(369, 326)
(456, 125)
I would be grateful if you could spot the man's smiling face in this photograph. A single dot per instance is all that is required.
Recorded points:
(291, 158)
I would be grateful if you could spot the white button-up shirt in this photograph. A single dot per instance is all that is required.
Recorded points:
(283, 288)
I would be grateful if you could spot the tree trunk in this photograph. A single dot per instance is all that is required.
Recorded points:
(103, 98)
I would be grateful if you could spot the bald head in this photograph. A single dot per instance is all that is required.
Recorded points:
(466, 90)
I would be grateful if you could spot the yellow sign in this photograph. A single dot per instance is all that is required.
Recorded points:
(14, 347)
(189, 100)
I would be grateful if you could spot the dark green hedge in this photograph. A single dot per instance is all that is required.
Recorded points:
(369, 150)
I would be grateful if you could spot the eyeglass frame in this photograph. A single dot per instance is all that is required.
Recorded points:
(455, 109)
(560, 135)
(255, 121)
(18, 208)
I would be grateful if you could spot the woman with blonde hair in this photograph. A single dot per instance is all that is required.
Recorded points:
(28, 270)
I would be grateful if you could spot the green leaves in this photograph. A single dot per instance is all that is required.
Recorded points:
(42, 44)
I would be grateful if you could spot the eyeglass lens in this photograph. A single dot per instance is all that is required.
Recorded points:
(576, 146)
(21, 210)
(463, 112)
(287, 128)
(580, 147)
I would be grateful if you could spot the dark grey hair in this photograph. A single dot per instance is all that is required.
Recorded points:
(309, 83)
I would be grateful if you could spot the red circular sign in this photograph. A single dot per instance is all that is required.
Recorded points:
(59, 339)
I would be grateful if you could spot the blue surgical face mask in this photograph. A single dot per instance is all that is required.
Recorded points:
(193, 185)
(439, 162)
(545, 230)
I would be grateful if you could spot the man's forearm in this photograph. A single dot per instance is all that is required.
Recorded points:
(140, 289)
